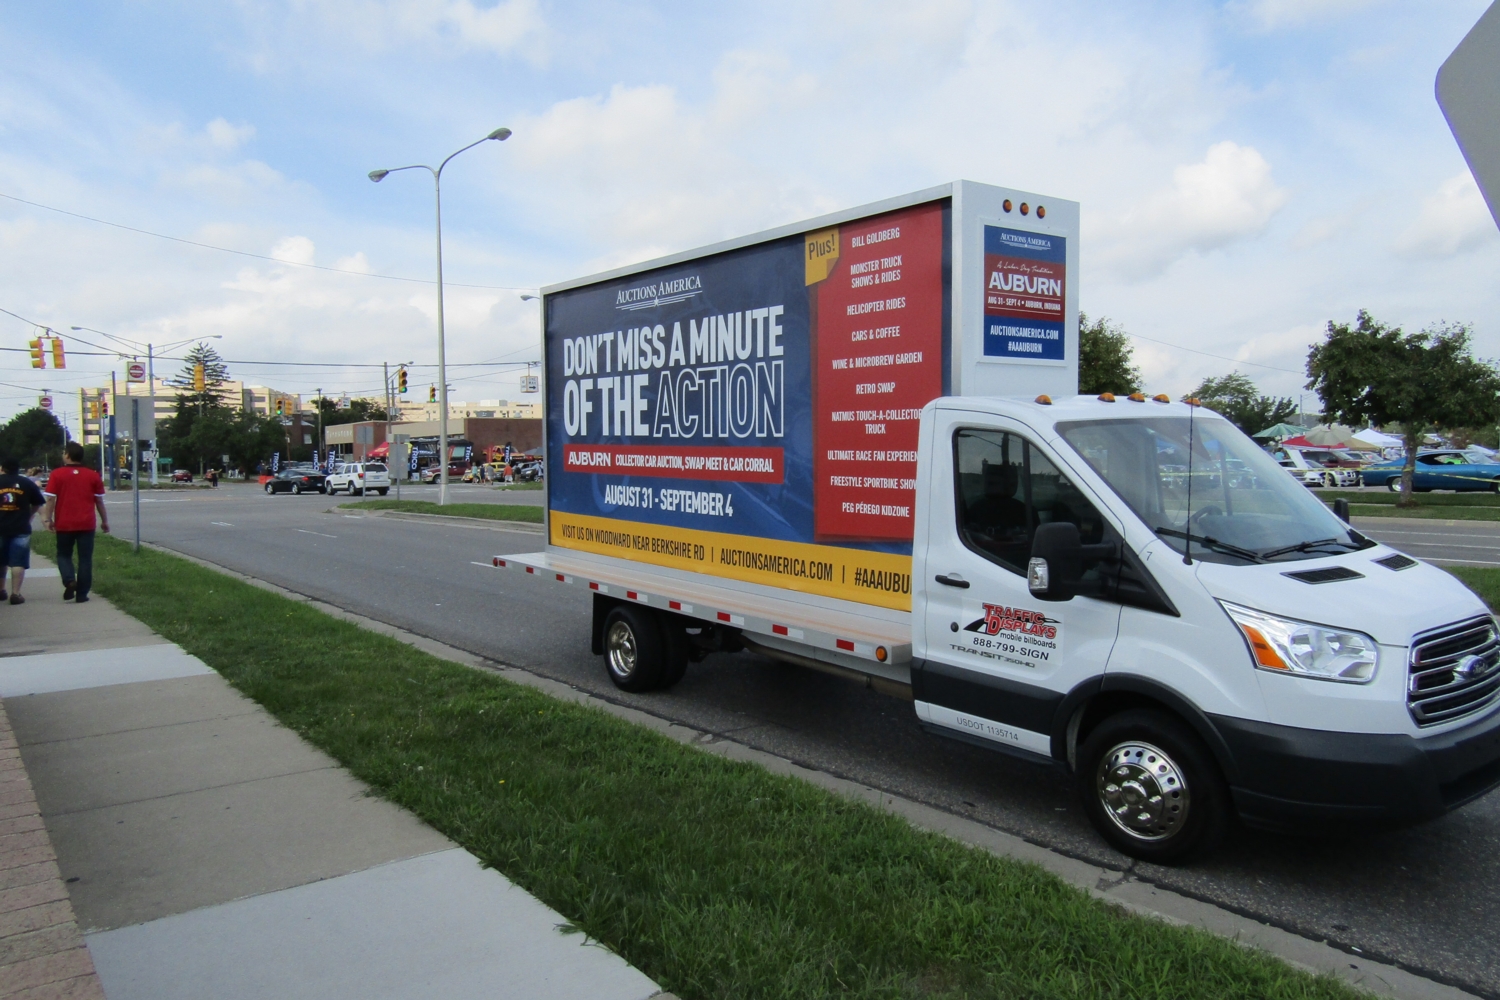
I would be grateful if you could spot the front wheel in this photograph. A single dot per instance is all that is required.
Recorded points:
(1393, 484)
(1329, 482)
(1151, 788)
(268, 488)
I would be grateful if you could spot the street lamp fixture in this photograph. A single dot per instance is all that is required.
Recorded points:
(499, 135)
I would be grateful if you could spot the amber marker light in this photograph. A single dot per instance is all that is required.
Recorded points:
(1006, 204)
(1025, 208)
(1106, 397)
(1044, 400)
(880, 653)
(1137, 397)
(1265, 654)
(1193, 401)
(1162, 397)
(1041, 211)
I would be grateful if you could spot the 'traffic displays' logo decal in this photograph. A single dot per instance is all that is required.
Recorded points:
(999, 618)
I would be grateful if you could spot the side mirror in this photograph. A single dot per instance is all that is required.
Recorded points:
(1056, 565)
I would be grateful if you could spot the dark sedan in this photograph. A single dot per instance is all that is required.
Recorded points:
(296, 481)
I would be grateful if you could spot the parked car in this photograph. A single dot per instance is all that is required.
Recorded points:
(181, 476)
(529, 472)
(359, 477)
(295, 481)
(1448, 469)
(1311, 473)
(455, 472)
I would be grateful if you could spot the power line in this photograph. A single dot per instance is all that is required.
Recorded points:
(257, 256)
(1206, 354)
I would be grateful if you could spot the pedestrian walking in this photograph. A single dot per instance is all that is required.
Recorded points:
(75, 495)
(213, 478)
(20, 499)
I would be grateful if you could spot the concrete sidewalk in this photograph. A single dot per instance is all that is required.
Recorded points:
(210, 852)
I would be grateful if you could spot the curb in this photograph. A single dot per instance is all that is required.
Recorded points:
(1118, 887)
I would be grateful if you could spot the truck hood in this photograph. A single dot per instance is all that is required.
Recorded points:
(1389, 605)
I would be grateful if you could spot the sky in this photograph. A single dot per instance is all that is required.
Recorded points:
(1247, 169)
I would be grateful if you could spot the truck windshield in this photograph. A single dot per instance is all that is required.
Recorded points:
(1244, 507)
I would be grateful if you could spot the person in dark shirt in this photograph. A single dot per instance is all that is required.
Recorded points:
(20, 499)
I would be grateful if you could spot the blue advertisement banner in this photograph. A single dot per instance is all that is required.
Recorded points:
(1025, 295)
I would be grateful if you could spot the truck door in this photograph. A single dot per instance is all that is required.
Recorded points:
(996, 662)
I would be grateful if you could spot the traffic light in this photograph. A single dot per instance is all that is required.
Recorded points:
(401, 378)
(280, 407)
(38, 358)
(93, 409)
(103, 406)
(432, 394)
(58, 361)
(200, 379)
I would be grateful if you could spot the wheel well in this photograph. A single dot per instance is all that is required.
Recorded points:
(1106, 703)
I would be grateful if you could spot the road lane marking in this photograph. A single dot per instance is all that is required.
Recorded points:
(318, 533)
(222, 524)
(486, 565)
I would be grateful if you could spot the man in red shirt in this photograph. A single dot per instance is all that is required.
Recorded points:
(75, 494)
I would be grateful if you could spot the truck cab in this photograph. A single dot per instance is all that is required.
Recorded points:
(1099, 583)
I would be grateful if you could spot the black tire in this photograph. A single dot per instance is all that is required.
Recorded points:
(356, 493)
(383, 490)
(1393, 484)
(1495, 486)
(635, 652)
(296, 489)
(269, 489)
(1151, 788)
(676, 649)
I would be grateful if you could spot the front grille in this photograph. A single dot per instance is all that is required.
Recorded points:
(1455, 671)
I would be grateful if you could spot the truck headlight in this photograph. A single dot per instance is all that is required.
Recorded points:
(1294, 647)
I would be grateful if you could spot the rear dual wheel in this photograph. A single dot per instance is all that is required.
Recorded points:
(1151, 788)
(642, 650)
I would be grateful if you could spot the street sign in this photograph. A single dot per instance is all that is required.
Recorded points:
(45, 402)
(531, 383)
(135, 372)
(1468, 91)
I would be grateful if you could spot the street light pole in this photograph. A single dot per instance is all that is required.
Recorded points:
(499, 135)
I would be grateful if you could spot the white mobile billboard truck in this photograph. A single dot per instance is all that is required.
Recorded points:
(832, 444)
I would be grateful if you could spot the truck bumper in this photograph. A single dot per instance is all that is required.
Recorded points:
(1287, 778)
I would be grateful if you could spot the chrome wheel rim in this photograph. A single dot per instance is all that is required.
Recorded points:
(620, 644)
(1143, 791)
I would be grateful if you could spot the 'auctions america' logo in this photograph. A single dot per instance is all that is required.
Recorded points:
(659, 293)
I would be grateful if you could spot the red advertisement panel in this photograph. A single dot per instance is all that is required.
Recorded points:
(877, 289)
(737, 465)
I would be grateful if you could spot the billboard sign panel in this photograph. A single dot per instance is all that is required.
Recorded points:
(753, 414)
(1025, 295)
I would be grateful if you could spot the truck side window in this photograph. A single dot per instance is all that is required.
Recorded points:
(1004, 488)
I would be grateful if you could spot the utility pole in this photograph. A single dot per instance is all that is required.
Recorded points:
(114, 463)
(151, 381)
(321, 443)
(135, 465)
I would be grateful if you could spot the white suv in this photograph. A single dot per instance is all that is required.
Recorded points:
(357, 477)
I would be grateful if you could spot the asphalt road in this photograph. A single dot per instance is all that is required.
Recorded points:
(1427, 898)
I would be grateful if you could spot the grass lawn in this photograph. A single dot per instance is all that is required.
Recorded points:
(1386, 498)
(715, 878)
(1483, 580)
(488, 511)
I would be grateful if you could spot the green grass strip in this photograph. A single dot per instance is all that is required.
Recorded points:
(1387, 498)
(718, 879)
(1483, 580)
(485, 511)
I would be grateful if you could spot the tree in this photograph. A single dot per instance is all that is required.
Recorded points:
(1240, 401)
(215, 374)
(34, 437)
(359, 410)
(1371, 372)
(1105, 359)
(203, 438)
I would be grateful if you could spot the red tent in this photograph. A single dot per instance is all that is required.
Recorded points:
(1300, 442)
(381, 450)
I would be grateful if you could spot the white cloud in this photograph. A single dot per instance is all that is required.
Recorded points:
(1229, 196)
(1453, 219)
(227, 137)
(1271, 15)
(499, 28)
